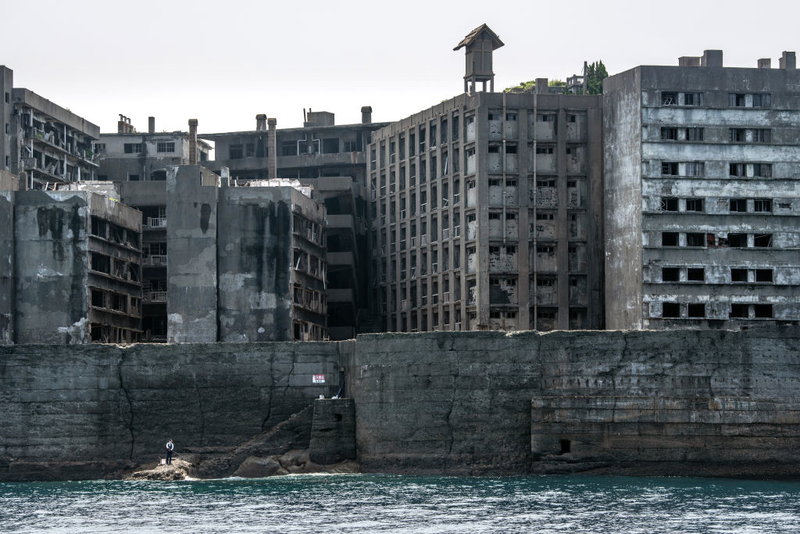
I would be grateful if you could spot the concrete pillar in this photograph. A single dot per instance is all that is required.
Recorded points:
(272, 141)
(261, 122)
(541, 86)
(151, 125)
(788, 61)
(192, 205)
(366, 115)
(192, 141)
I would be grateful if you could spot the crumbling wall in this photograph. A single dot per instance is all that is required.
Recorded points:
(51, 264)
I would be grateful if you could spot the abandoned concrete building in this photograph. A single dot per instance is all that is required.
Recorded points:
(74, 273)
(332, 159)
(137, 162)
(702, 180)
(486, 210)
(46, 142)
(246, 263)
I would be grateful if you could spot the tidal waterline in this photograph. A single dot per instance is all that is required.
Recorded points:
(383, 503)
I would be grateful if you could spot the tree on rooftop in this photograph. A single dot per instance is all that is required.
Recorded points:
(595, 74)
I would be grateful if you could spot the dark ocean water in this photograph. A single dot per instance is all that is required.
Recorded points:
(380, 503)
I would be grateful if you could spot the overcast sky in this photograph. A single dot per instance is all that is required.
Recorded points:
(223, 62)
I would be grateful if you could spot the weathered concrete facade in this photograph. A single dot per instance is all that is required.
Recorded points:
(487, 214)
(73, 270)
(246, 263)
(137, 162)
(702, 176)
(48, 143)
(330, 158)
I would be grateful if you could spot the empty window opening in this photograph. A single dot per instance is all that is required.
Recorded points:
(669, 134)
(762, 311)
(740, 311)
(696, 310)
(669, 168)
(761, 205)
(669, 204)
(671, 309)
(762, 240)
(763, 275)
(670, 274)
(696, 274)
(695, 239)
(694, 134)
(669, 239)
(566, 446)
(694, 204)
(738, 275)
(669, 99)
(737, 240)
(738, 205)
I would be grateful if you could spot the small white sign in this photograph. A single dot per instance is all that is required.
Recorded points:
(319, 379)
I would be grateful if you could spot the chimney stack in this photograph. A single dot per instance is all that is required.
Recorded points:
(542, 86)
(272, 144)
(366, 115)
(192, 141)
(151, 125)
(765, 63)
(711, 58)
(261, 122)
(788, 61)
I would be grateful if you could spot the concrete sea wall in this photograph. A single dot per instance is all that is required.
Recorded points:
(715, 403)
(90, 410)
(688, 402)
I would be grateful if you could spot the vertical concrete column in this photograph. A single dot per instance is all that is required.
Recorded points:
(272, 143)
(366, 115)
(595, 260)
(261, 122)
(562, 219)
(192, 260)
(192, 141)
(7, 283)
(151, 125)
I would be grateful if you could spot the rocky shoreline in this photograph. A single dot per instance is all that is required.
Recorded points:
(290, 463)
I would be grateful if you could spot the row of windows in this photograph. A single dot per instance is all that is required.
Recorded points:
(735, 135)
(702, 239)
(670, 310)
(735, 205)
(735, 100)
(697, 169)
(698, 274)
(136, 148)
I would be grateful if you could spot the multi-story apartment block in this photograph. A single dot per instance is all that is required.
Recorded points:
(137, 162)
(73, 273)
(48, 143)
(332, 159)
(702, 178)
(246, 263)
(486, 212)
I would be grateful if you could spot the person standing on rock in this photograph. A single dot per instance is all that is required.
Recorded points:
(170, 448)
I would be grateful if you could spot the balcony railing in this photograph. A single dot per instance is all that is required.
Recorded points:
(156, 222)
(155, 260)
